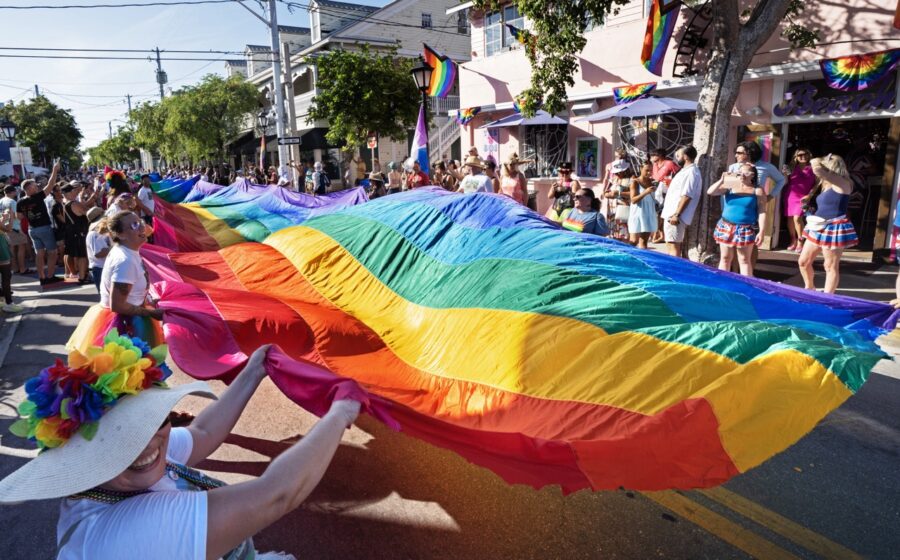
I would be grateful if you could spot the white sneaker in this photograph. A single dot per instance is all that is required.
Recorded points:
(12, 308)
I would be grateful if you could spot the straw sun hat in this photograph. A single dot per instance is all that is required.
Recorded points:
(80, 465)
(123, 401)
(474, 161)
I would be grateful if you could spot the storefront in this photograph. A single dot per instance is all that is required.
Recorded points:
(862, 128)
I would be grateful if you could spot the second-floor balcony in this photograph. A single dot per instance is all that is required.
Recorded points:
(440, 107)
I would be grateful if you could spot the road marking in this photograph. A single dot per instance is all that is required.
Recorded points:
(783, 526)
(723, 528)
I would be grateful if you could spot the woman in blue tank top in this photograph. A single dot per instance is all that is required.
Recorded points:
(743, 217)
(828, 230)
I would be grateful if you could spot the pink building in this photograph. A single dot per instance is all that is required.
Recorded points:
(772, 107)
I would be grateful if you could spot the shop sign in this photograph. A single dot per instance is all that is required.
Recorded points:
(816, 98)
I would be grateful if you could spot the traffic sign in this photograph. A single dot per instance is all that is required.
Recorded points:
(287, 140)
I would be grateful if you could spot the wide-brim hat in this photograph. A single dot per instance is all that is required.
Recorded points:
(619, 166)
(513, 159)
(94, 214)
(375, 176)
(474, 161)
(78, 465)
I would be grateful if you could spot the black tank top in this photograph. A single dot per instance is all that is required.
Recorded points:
(78, 224)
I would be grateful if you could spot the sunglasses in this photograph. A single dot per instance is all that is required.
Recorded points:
(802, 155)
(582, 196)
(748, 173)
(740, 153)
(137, 225)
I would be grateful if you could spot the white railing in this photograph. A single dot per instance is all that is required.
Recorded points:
(442, 138)
(442, 106)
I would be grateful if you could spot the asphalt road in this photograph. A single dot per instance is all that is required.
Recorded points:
(832, 495)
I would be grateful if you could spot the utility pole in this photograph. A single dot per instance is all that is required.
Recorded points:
(161, 77)
(128, 97)
(110, 129)
(276, 78)
(292, 112)
(37, 92)
(272, 24)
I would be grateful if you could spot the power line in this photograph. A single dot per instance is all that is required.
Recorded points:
(49, 56)
(135, 5)
(370, 18)
(124, 50)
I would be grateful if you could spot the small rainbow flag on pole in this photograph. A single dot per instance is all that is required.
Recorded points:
(627, 94)
(660, 25)
(444, 75)
(858, 72)
(464, 116)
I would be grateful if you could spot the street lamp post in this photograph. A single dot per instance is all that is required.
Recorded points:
(422, 76)
(9, 130)
(262, 123)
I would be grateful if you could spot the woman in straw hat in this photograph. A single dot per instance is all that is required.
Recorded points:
(512, 182)
(104, 425)
(125, 302)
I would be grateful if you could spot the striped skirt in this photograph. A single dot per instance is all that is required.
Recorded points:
(99, 320)
(837, 234)
(735, 235)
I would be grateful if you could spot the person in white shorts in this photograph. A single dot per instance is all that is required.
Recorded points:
(681, 202)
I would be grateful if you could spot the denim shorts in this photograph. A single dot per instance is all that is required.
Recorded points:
(42, 238)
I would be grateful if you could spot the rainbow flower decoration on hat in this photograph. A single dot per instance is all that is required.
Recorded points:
(65, 399)
(109, 172)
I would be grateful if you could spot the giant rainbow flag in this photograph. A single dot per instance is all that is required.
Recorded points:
(211, 216)
(547, 356)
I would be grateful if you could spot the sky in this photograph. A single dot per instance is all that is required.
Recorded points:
(71, 84)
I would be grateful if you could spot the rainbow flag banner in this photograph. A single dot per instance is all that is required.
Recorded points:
(444, 72)
(465, 116)
(212, 216)
(859, 71)
(627, 94)
(660, 25)
(592, 364)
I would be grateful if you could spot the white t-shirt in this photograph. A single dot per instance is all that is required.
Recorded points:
(164, 523)
(687, 182)
(95, 243)
(123, 266)
(145, 195)
(7, 203)
(476, 183)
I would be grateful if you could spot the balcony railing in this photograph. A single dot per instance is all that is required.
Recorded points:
(439, 106)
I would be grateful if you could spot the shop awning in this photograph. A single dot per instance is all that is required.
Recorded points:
(644, 107)
(540, 117)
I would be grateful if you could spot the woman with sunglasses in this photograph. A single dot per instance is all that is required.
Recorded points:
(743, 217)
(561, 192)
(585, 217)
(124, 290)
(801, 180)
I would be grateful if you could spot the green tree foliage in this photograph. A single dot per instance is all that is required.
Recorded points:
(202, 118)
(40, 120)
(115, 151)
(557, 38)
(362, 91)
(192, 124)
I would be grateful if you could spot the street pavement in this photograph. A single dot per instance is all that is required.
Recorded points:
(832, 495)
